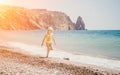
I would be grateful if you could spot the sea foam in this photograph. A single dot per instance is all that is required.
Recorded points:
(56, 53)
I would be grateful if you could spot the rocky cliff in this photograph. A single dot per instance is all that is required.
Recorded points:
(18, 18)
(80, 25)
(44, 19)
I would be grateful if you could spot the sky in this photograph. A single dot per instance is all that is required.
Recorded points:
(97, 14)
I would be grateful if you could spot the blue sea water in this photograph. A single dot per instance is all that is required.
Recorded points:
(104, 43)
(101, 43)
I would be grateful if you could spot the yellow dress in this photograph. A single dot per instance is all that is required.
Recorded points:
(48, 38)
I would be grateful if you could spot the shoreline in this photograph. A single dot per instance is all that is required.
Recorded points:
(91, 55)
(12, 61)
(35, 50)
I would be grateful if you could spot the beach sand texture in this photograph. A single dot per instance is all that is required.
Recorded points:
(14, 63)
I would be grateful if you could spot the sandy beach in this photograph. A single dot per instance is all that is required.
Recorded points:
(14, 63)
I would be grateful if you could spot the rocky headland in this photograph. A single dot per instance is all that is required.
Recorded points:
(19, 18)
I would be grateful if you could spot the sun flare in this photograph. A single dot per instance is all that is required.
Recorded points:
(3, 1)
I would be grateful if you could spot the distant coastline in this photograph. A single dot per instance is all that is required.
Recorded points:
(19, 18)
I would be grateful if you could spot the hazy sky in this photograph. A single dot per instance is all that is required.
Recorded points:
(97, 14)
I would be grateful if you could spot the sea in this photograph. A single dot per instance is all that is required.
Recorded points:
(94, 47)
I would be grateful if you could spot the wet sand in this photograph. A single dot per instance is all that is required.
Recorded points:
(14, 63)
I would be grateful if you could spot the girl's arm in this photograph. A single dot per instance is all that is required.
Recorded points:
(54, 40)
(43, 40)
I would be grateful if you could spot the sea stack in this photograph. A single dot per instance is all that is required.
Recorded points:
(19, 18)
(80, 25)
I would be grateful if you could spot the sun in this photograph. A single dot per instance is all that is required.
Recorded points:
(3, 1)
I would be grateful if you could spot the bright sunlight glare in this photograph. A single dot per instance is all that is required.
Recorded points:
(4, 1)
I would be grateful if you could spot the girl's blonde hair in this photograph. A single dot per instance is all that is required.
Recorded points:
(50, 28)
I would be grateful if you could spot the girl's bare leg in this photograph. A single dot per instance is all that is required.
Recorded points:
(47, 52)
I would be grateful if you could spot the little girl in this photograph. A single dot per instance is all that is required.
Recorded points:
(48, 40)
